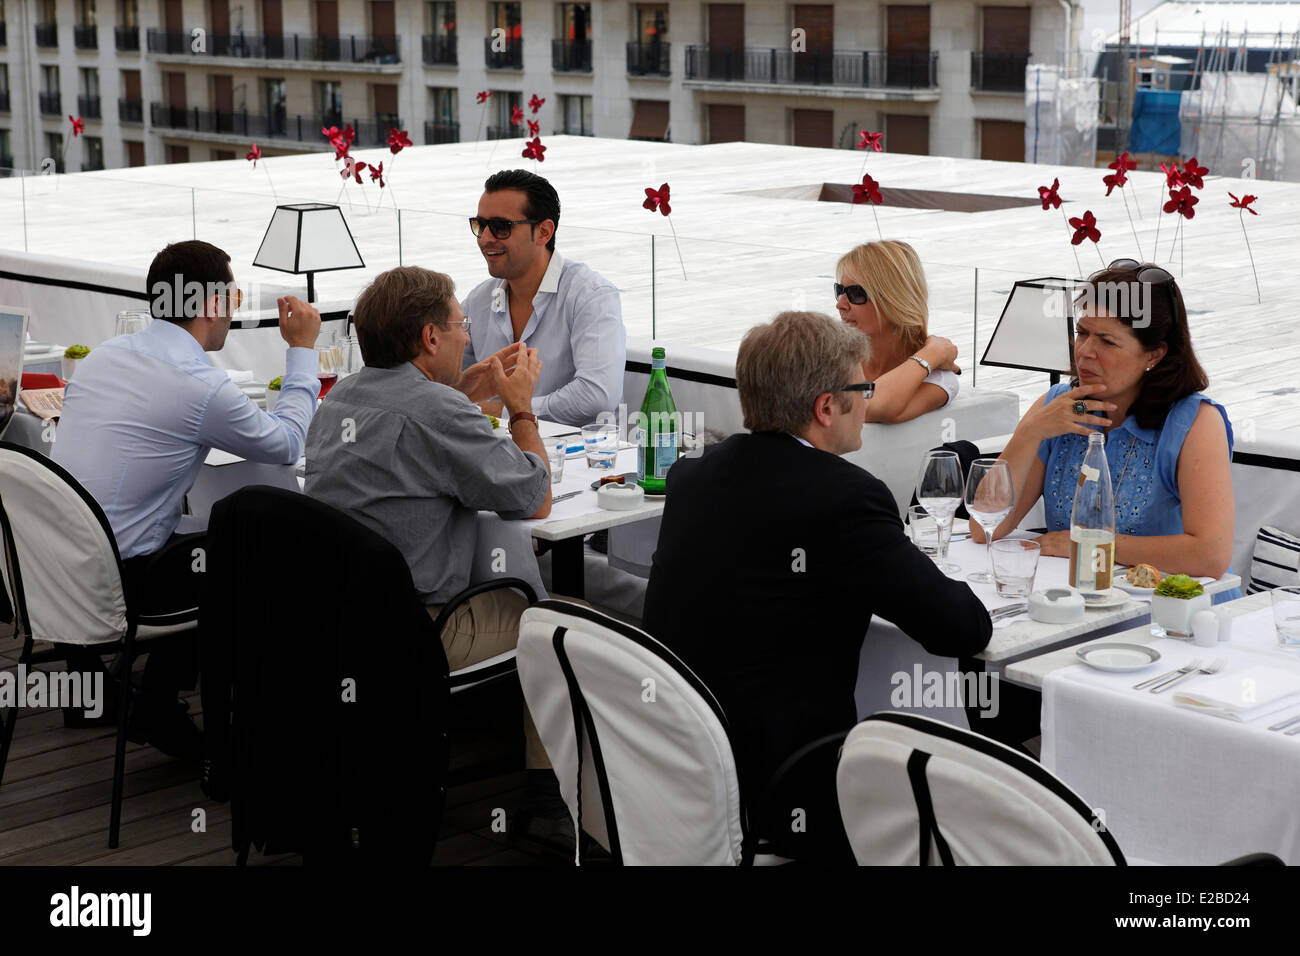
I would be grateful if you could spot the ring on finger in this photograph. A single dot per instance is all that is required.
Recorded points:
(1080, 407)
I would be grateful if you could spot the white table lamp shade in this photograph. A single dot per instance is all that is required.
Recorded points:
(1036, 329)
(308, 237)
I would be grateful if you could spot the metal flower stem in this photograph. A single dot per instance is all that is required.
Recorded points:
(1073, 248)
(1173, 245)
(1155, 250)
(1129, 213)
(876, 216)
(274, 195)
(1137, 205)
(1241, 214)
(677, 245)
(478, 131)
(1097, 245)
(387, 185)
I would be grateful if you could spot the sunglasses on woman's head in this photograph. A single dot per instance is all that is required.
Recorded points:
(1153, 275)
(857, 295)
(499, 227)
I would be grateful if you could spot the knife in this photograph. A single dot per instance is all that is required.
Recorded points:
(566, 496)
(1286, 723)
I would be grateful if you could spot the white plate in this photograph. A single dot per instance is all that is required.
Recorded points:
(1118, 658)
(1112, 598)
(1122, 583)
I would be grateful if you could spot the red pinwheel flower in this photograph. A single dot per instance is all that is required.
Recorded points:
(1085, 228)
(1243, 203)
(1124, 163)
(482, 97)
(1181, 201)
(534, 149)
(376, 173)
(78, 127)
(398, 140)
(869, 140)
(341, 140)
(1192, 173)
(516, 117)
(534, 128)
(868, 191)
(1050, 198)
(1117, 178)
(1173, 175)
(535, 103)
(657, 199)
(254, 155)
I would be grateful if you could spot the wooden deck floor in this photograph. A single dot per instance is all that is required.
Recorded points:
(55, 796)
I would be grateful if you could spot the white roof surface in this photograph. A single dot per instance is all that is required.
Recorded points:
(1181, 23)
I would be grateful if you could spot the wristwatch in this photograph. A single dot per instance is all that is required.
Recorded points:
(522, 417)
(923, 363)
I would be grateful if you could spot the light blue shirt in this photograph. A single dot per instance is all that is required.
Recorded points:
(577, 329)
(142, 414)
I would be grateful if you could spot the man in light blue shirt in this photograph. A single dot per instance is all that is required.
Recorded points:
(565, 310)
(144, 411)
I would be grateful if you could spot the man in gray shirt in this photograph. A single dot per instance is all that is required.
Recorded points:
(403, 447)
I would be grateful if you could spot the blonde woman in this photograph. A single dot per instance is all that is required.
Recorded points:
(881, 292)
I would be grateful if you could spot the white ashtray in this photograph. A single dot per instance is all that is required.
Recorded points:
(619, 497)
(1056, 606)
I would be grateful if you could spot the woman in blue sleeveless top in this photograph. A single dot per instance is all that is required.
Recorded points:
(1169, 447)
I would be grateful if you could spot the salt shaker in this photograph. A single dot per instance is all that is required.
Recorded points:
(1205, 628)
(1225, 624)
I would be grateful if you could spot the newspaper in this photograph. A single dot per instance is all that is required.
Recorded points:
(44, 403)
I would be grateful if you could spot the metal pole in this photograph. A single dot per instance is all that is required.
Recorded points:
(975, 328)
(652, 286)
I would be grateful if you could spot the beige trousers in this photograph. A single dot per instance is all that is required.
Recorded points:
(484, 626)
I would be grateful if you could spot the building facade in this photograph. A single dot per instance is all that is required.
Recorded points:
(187, 80)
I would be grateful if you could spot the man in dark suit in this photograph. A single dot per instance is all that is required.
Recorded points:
(774, 552)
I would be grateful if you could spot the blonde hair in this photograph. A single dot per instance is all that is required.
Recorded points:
(783, 365)
(891, 273)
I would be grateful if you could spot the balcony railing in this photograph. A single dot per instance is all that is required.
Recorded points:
(866, 69)
(648, 59)
(127, 38)
(439, 50)
(435, 133)
(571, 56)
(998, 72)
(349, 49)
(52, 104)
(47, 34)
(511, 58)
(4, 101)
(85, 37)
(302, 129)
(505, 132)
(88, 107)
(130, 111)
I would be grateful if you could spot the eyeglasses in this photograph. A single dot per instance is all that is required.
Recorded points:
(234, 300)
(866, 388)
(499, 227)
(1149, 274)
(463, 323)
(857, 295)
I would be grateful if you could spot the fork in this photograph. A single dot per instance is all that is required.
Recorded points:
(1211, 668)
(1010, 610)
(1168, 675)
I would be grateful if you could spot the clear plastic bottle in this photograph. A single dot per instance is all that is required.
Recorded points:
(1092, 523)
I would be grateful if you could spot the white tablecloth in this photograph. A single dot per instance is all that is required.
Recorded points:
(1179, 787)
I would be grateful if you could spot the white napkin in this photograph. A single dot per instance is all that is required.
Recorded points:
(240, 377)
(1243, 695)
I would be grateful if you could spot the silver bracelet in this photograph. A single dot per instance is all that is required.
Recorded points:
(923, 363)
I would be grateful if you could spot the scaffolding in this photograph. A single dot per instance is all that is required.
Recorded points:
(1060, 117)
(1240, 122)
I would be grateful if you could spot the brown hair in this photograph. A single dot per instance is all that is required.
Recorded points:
(391, 313)
(783, 365)
(891, 273)
(1157, 316)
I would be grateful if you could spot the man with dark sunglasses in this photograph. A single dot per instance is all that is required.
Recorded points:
(565, 310)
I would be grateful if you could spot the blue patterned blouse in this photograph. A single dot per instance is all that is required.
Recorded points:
(1143, 471)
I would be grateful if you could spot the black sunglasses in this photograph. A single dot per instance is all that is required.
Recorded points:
(498, 227)
(1153, 275)
(857, 295)
(866, 388)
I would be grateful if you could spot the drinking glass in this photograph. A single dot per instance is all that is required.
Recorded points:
(1015, 564)
(923, 531)
(132, 321)
(327, 369)
(939, 489)
(556, 448)
(600, 442)
(990, 497)
(1286, 616)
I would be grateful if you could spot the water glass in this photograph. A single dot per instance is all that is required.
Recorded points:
(1286, 616)
(1015, 563)
(600, 442)
(132, 321)
(556, 448)
(923, 530)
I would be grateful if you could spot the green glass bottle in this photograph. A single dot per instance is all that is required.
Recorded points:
(660, 429)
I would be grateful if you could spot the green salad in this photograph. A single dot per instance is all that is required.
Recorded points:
(76, 351)
(1179, 586)
(274, 384)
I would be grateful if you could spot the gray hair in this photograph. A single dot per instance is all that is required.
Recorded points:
(784, 365)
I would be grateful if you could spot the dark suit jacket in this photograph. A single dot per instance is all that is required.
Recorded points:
(772, 558)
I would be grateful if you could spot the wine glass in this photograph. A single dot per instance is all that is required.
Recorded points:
(327, 370)
(990, 496)
(132, 321)
(939, 490)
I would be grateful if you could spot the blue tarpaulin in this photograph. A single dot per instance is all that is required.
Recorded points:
(1155, 122)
